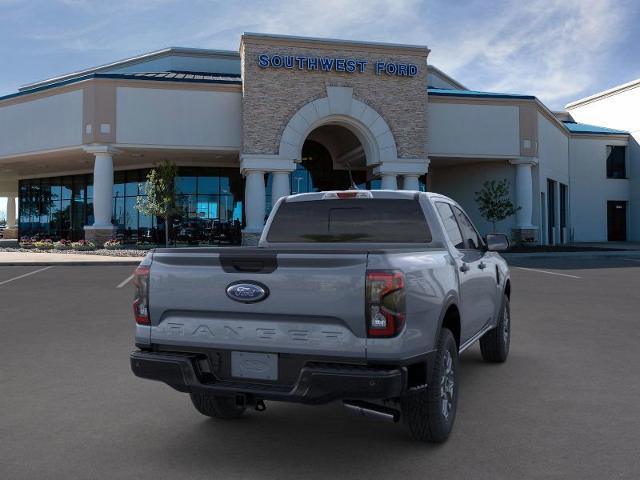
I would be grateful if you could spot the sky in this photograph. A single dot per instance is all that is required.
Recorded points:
(558, 50)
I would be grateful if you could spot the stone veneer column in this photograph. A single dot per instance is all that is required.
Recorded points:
(524, 230)
(102, 228)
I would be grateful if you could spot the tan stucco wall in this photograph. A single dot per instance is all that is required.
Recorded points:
(272, 96)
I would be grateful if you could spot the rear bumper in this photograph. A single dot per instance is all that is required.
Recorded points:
(317, 383)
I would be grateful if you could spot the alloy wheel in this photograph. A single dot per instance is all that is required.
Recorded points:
(447, 385)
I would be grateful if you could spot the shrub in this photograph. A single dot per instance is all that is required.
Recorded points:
(112, 244)
(83, 245)
(144, 245)
(62, 245)
(26, 242)
(494, 202)
(43, 244)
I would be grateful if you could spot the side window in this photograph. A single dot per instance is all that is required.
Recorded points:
(450, 224)
(471, 239)
(616, 161)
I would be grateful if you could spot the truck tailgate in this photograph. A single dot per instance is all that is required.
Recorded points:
(315, 303)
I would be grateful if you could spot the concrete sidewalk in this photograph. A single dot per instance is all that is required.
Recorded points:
(616, 245)
(33, 258)
(592, 254)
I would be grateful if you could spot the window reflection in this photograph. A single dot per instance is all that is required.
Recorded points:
(209, 204)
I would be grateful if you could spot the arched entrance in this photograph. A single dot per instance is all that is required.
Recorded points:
(332, 158)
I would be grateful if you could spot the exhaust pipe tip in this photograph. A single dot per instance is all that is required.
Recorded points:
(371, 410)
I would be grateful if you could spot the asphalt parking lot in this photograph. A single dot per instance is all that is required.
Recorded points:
(565, 405)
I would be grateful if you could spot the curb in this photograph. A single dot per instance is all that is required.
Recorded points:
(598, 254)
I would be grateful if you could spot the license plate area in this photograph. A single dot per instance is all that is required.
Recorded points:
(255, 366)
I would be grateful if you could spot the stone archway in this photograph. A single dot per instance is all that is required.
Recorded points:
(340, 108)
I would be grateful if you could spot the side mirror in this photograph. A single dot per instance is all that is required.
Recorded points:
(497, 242)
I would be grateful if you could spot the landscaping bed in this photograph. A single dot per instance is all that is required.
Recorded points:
(112, 248)
(121, 252)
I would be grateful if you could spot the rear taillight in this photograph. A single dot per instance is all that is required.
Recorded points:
(385, 303)
(141, 298)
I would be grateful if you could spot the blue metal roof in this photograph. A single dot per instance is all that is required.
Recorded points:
(188, 77)
(445, 92)
(175, 75)
(575, 127)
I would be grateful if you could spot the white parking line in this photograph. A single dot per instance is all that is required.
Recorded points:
(125, 281)
(550, 273)
(25, 275)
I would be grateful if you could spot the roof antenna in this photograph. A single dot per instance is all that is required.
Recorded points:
(353, 185)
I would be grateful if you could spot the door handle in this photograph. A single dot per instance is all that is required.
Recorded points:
(482, 266)
(464, 268)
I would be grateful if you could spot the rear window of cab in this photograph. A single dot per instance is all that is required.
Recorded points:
(350, 221)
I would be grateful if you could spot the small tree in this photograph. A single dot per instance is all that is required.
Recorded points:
(494, 203)
(160, 193)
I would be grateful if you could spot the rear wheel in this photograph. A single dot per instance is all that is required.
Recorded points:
(430, 413)
(494, 344)
(216, 406)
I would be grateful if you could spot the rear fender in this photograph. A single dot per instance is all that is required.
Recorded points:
(451, 300)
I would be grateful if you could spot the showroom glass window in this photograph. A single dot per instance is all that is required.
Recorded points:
(209, 207)
(131, 225)
(616, 161)
(56, 207)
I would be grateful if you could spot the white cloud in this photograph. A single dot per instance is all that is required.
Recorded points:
(552, 49)
(558, 50)
(383, 20)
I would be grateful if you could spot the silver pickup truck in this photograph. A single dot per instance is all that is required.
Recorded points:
(366, 297)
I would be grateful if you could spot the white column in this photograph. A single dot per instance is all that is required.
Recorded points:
(524, 192)
(558, 233)
(279, 186)
(409, 169)
(11, 212)
(410, 182)
(254, 197)
(389, 181)
(102, 190)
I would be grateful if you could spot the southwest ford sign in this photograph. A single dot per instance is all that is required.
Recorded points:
(334, 64)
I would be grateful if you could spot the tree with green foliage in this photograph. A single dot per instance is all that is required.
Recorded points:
(160, 199)
(494, 201)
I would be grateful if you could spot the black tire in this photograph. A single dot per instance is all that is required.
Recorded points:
(494, 344)
(216, 406)
(423, 411)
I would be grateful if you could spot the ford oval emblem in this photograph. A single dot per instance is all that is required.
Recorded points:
(247, 291)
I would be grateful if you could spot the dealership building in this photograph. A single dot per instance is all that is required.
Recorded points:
(289, 115)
